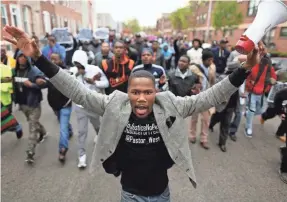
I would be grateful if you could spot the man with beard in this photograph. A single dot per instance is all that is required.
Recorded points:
(118, 69)
(141, 134)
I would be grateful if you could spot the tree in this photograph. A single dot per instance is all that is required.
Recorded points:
(226, 15)
(132, 25)
(179, 18)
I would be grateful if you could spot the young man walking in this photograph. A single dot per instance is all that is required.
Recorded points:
(182, 82)
(29, 96)
(206, 73)
(141, 134)
(93, 78)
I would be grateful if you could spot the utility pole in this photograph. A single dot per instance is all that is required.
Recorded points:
(208, 20)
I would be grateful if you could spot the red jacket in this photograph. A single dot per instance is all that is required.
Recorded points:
(259, 87)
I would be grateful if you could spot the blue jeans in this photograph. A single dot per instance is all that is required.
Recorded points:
(128, 197)
(65, 127)
(255, 107)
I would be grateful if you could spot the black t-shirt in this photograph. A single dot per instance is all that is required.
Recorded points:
(142, 158)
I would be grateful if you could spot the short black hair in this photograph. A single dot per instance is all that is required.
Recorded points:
(206, 54)
(141, 74)
(186, 56)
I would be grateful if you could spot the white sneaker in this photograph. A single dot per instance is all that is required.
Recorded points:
(82, 161)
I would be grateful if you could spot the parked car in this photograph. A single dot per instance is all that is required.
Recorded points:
(279, 63)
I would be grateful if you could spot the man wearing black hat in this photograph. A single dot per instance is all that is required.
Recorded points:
(131, 52)
(138, 45)
(220, 54)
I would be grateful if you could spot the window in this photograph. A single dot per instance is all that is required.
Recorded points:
(252, 7)
(47, 21)
(283, 32)
(4, 18)
(54, 22)
(15, 15)
(26, 19)
(65, 22)
(269, 36)
(194, 33)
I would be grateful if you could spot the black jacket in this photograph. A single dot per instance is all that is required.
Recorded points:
(56, 99)
(179, 86)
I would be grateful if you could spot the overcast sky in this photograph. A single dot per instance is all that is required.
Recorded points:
(146, 11)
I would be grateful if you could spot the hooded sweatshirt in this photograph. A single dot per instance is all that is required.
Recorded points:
(31, 96)
(90, 71)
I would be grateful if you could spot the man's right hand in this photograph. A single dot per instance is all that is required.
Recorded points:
(22, 40)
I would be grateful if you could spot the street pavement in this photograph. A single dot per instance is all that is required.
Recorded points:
(248, 172)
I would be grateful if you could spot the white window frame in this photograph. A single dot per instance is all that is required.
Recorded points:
(4, 15)
(26, 9)
(18, 15)
(46, 13)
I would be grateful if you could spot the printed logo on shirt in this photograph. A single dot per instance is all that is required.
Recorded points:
(20, 79)
(142, 134)
(155, 74)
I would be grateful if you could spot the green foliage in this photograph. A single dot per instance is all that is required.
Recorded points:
(132, 25)
(179, 18)
(226, 15)
(278, 54)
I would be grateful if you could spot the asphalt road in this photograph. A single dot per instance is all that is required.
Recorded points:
(248, 172)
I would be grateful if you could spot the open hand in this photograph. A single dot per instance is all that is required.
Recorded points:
(22, 40)
(162, 79)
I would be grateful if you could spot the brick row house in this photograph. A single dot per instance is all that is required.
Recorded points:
(275, 38)
(40, 17)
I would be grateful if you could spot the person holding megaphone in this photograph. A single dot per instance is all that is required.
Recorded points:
(141, 134)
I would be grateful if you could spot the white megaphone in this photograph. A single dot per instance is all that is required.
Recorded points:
(270, 14)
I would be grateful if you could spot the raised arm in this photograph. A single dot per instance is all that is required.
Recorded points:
(217, 94)
(66, 84)
(220, 92)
